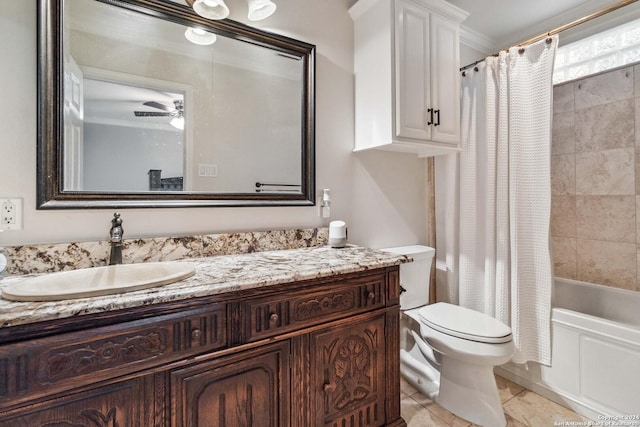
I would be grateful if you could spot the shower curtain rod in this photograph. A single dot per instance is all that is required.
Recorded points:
(564, 27)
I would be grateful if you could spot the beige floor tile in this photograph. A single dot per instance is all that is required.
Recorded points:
(534, 410)
(417, 415)
(407, 388)
(511, 422)
(522, 407)
(507, 389)
(439, 411)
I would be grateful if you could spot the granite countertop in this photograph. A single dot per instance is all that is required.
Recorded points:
(214, 275)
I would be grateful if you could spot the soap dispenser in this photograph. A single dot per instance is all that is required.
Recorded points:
(325, 204)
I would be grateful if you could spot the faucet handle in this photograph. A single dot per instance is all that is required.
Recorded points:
(116, 231)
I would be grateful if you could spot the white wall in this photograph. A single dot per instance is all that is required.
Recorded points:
(381, 195)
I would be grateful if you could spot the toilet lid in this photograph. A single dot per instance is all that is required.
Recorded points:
(464, 323)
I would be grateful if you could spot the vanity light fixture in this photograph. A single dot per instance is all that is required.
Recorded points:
(210, 9)
(260, 9)
(217, 9)
(200, 36)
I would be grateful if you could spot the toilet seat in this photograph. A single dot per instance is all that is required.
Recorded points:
(461, 322)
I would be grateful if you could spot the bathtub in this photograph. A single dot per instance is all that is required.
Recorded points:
(595, 367)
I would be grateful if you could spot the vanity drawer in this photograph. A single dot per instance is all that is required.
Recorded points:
(55, 363)
(273, 315)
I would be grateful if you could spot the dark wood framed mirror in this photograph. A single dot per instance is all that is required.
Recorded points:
(143, 103)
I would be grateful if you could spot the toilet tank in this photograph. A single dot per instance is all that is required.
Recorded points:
(414, 276)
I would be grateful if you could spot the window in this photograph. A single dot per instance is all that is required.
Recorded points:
(609, 49)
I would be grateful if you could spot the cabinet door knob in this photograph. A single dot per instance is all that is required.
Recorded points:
(430, 111)
(328, 387)
(371, 296)
(195, 334)
(274, 317)
(437, 123)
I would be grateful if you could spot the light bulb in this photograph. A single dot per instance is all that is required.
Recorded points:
(177, 122)
(200, 36)
(211, 9)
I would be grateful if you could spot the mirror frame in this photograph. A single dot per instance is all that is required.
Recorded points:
(50, 193)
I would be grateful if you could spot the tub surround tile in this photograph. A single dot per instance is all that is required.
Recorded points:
(608, 172)
(563, 133)
(563, 216)
(214, 275)
(611, 218)
(636, 78)
(604, 127)
(637, 288)
(563, 98)
(46, 258)
(607, 263)
(564, 257)
(605, 110)
(604, 88)
(637, 121)
(563, 175)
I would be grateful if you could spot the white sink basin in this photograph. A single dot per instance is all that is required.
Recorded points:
(91, 282)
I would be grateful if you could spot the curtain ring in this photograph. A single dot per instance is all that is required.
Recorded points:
(521, 50)
(475, 69)
(549, 40)
(464, 74)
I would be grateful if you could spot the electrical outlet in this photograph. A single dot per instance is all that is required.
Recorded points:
(10, 214)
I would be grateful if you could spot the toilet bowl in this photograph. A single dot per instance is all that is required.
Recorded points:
(448, 352)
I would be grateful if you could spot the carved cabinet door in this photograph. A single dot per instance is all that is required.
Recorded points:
(249, 389)
(116, 405)
(348, 374)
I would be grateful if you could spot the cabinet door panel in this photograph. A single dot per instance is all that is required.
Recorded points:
(348, 382)
(445, 83)
(250, 389)
(116, 405)
(412, 72)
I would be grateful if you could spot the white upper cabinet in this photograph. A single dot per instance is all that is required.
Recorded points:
(407, 80)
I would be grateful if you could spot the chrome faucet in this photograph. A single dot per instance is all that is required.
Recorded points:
(116, 234)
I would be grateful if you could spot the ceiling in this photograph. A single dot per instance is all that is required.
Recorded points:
(503, 23)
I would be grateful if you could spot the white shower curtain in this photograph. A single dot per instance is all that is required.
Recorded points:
(504, 264)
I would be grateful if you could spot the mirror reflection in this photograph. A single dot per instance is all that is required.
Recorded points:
(152, 105)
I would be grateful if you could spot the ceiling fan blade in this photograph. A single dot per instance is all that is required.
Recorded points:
(154, 104)
(150, 114)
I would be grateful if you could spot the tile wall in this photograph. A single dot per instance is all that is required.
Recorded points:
(595, 179)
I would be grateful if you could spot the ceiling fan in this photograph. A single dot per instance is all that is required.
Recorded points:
(167, 111)
(177, 113)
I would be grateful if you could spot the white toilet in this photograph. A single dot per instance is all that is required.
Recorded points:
(448, 352)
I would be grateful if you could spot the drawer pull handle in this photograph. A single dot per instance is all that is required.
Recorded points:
(195, 334)
(274, 317)
(371, 296)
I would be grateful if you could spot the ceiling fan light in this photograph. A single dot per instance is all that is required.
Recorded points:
(260, 9)
(211, 9)
(177, 122)
(200, 37)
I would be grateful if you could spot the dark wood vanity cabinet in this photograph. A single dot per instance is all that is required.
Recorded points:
(322, 352)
